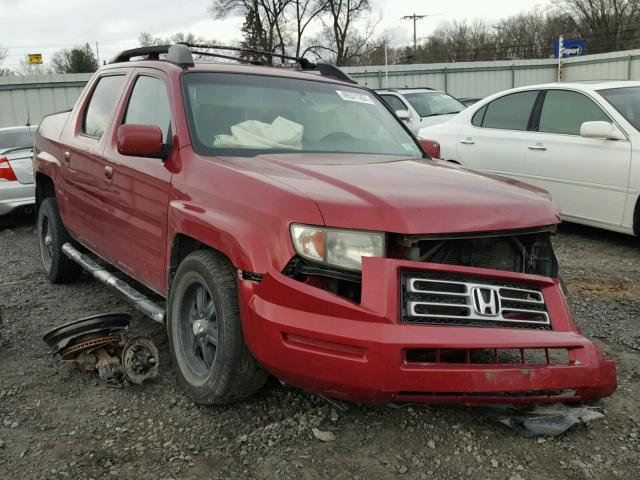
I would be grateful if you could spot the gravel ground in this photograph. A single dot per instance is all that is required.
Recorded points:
(59, 423)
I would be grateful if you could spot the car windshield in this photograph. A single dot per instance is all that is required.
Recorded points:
(626, 101)
(16, 138)
(247, 115)
(429, 104)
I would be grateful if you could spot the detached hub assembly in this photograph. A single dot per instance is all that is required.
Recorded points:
(99, 343)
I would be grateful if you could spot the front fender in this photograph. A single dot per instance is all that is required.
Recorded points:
(249, 246)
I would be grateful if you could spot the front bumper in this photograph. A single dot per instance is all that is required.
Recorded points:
(14, 195)
(318, 341)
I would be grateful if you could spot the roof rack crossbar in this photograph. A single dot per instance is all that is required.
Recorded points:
(304, 63)
(179, 52)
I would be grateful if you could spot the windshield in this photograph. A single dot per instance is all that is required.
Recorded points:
(428, 104)
(626, 101)
(18, 137)
(240, 114)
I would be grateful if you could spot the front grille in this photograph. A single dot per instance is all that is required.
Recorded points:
(439, 299)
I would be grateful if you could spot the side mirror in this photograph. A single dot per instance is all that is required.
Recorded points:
(141, 141)
(600, 129)
(403, 115)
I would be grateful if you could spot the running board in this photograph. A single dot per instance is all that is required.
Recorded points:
(137, 299)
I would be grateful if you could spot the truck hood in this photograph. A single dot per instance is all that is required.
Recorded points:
(406, 195)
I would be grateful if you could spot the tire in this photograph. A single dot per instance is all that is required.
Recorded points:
(212, 362)
(52, 235)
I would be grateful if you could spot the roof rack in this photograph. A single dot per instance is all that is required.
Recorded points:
(182, 54)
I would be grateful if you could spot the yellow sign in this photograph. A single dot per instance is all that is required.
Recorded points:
(35, 58)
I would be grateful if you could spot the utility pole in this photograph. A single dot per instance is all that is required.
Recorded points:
(560, 55)
(415, 18)
(97, 55)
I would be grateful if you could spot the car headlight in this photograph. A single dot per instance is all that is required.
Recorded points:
(336, 247)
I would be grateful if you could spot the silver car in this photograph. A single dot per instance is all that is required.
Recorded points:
(17, 187)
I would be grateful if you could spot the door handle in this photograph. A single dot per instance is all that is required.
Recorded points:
(108, 173)
(467, 141)
(67, 156)
(537, 146)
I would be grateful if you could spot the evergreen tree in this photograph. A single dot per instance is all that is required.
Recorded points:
(254, 37)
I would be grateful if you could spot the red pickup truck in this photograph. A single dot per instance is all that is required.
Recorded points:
(296, 227)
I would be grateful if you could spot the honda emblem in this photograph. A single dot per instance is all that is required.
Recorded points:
(486, 301)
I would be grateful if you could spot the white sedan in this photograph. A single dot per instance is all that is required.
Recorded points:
(579, 141)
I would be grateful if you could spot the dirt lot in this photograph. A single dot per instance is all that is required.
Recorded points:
(59, 423)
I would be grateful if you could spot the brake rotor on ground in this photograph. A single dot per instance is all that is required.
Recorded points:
(72, 351)
(102, 325)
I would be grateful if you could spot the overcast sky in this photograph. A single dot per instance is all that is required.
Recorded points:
(44, 26)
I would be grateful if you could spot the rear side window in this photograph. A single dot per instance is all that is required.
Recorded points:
(510, 112)
(101, 105)
(149, 105)
(394, 102)
(564, 112)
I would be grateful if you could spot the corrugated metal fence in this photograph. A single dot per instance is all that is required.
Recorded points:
(32, 98)
(479, 79)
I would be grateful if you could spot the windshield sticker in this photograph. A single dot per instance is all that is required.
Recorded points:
(355, 97)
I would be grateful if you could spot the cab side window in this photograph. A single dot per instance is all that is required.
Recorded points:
(511, 112)
(564, 112)
(149, 105)
(394, 102)
(103, 100)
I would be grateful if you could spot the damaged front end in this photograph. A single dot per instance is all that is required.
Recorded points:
(470, 318)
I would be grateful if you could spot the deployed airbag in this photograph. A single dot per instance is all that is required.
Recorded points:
(280, 134)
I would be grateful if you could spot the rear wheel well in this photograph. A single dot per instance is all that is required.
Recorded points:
(44, 188)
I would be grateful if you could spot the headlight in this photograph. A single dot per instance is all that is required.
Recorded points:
(340, 248)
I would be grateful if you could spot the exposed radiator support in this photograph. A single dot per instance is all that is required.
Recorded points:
(137, 299)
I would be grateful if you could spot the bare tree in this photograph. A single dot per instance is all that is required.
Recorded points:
(530, 34)
(145, 39)
(607, 24)
(306, 12)
(269, 14)
(348, 38)
(26, 68)
(459, 41)
(4, 72)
